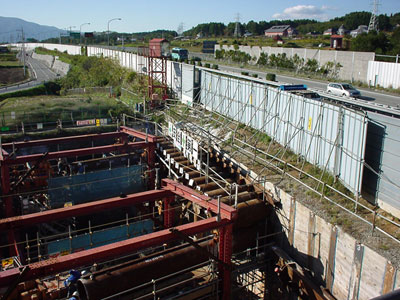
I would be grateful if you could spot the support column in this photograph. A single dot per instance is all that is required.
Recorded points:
(225, 255)
(5, 184)
(168, 212)
(150, 162)
(8, 208)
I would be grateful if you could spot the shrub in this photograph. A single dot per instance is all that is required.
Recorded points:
(48, 88)
(271, 77)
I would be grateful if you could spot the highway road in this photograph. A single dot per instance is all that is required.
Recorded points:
(368, 95)
(40, 73)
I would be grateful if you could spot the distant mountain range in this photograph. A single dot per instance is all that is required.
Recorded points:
(10, 30)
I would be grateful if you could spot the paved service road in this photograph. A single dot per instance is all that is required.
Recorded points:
(366, 94)
(40, 73)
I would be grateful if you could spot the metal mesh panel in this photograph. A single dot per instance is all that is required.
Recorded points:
(99, 238)
(97, 185)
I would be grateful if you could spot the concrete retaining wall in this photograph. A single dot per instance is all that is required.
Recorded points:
(48, 60)
(53, 63)
(354, 64)
(350, 270)
(60, 67)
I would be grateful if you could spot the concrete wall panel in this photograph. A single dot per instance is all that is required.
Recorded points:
(343, 264)
(372, 275)
(301, 234)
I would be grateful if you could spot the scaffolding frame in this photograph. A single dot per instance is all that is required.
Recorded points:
(275, 161)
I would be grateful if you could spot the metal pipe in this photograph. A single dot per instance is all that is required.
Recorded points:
(219, 209)
(236, 195)
(389, 296)
(129, 276)
(140, 272)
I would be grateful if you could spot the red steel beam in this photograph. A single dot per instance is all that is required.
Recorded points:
(142, 135)
(88, 257)
(3, 154)
(61, 140)
(81, 209)
(204, 201)
(77, 152)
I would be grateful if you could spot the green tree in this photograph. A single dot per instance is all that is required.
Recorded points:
(372, 42)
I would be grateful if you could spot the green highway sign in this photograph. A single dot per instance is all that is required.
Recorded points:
(75, 35)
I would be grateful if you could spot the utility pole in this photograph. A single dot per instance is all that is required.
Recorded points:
(70, 33)
(23, 49)
(80, 32)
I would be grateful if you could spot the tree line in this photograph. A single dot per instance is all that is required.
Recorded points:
(350, 21)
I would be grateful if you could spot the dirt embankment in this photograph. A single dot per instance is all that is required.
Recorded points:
(11, 75)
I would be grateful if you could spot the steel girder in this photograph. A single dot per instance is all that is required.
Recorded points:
(139, 134)
(95, 255)
(62, 140)
(77, 152)
(206, 202)
(81, 209)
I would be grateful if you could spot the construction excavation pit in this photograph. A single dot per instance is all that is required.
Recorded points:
(157, 213)
(132, 216)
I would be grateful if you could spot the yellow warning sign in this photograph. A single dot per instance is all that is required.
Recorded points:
(309, 123)
(7, 262)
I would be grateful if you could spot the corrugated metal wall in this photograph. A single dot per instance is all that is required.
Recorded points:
(187, 84)
(385, 74)
(382, 175)
(327, 135)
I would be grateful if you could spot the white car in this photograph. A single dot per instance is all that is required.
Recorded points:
(343, 89)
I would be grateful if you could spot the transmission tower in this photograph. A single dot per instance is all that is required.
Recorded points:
(237, 26)
(373, 23)
(180, 29)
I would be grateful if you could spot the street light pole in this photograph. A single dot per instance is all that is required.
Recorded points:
(80, 32)
(108, 29)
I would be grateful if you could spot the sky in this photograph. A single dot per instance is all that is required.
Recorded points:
(148, 15)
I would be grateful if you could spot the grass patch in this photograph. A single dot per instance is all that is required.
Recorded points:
(8, 64)
(58, 133)
(51, 108)
(63, 56)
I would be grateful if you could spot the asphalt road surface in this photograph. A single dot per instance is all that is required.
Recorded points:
(366, 94)
(40, 73)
